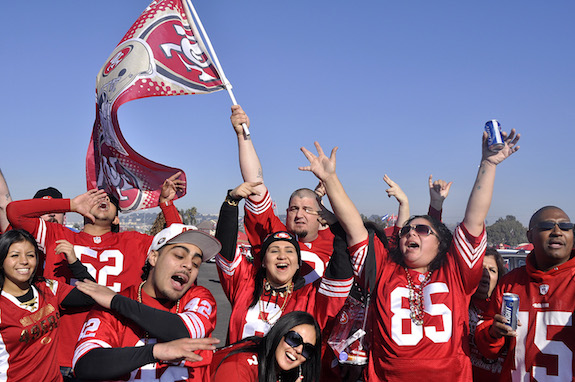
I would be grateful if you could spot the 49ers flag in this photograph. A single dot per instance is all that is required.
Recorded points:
(161, 55)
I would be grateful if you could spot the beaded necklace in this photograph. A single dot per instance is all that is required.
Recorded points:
(140, 301)
(416, 297)
(271, 291)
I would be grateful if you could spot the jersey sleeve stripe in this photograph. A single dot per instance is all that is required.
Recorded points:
(469, 254)
(334, 288)
(358, 259)
(85, 347)
(260, 207)
(226, 267)
(41, 235)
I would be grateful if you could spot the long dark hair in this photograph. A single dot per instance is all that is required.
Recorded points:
(6, 241)
(444, 235)
(266, 346)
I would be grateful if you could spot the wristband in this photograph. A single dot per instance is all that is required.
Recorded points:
(231, 201)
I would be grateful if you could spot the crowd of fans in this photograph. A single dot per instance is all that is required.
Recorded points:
(101, 304)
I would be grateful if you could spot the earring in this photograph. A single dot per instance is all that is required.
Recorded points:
(300, 378)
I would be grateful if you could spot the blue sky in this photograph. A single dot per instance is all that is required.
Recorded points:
(403, 88)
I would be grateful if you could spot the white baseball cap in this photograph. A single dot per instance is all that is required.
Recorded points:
(180, 233)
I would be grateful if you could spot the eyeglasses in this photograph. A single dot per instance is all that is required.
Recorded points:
(294, 340)
(308, 210)
(547, 225)
(420, 229)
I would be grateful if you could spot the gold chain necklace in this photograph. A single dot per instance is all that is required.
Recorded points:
(140, 301)
(416, 297)
(268, 287)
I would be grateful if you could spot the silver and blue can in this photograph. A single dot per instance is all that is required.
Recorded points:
(510, 309)
(494, 138)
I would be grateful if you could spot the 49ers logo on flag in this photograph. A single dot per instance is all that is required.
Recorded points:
(160, 55)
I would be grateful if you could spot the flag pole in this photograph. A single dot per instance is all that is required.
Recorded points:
(226, 83)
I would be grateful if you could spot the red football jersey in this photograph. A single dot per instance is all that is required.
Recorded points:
(238, 367)
(260, 221)
(402, 350)
(545, 344)
(29, 334)
(105, 329)
(113, 259)
(322, 299)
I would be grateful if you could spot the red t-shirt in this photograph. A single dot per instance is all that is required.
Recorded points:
(29, 334)
(402, 350)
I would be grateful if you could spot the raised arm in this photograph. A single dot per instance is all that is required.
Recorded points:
(396, 191)
(5, 199)
(343, 208)
(482, 192)
(250, 165)
(438, 192)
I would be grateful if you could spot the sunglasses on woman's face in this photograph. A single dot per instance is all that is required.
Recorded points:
(547, 225)
(294, 339)
(420, 229)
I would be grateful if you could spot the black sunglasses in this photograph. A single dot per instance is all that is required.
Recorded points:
(420, 229)
(294, 339)
(547, 225)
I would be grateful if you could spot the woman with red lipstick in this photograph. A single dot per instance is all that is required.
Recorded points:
(260, 295)
(289, 352)
(484, 369)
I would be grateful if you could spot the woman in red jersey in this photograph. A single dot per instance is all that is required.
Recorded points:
(261, 291)
(290, 352)
(30, 309)
(421, 300)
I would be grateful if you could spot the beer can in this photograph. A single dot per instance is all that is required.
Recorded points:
(510, 309)
(494, 139)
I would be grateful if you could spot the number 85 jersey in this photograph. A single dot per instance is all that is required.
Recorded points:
(545, 344)
(438, 349)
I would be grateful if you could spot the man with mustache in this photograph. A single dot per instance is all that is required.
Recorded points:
(542, 346)
(168, 317)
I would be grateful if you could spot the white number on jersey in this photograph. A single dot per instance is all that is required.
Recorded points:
(90, 328)
(255, 326)
(563, 354)
(316, 263)
(418, 331)
(108, 270)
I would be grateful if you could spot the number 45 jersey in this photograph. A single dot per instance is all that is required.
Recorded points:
(437, 349)
(545, 344)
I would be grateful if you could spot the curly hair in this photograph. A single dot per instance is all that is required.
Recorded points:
(443, 234)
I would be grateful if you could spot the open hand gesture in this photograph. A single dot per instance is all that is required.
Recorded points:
(84, 203)
(171, 187)
(321, 166)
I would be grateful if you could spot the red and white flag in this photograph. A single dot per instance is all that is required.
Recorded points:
(161, 55)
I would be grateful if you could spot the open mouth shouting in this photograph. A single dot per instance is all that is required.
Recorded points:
(180, 280)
